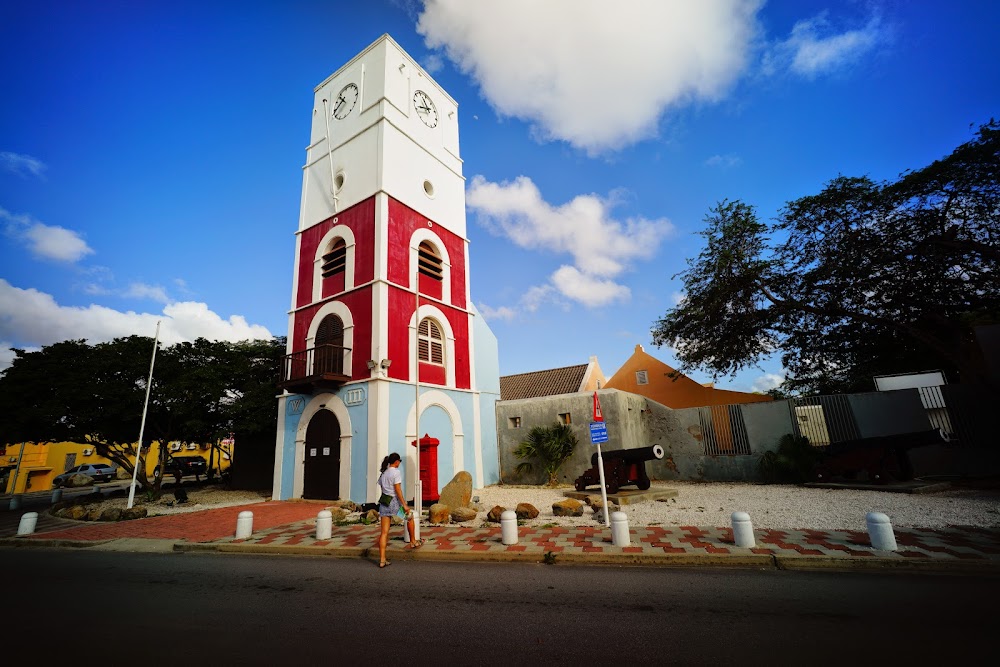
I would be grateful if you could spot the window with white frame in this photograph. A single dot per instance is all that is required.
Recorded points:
(335, 260)
(641, 377)
(430, 342)
(429, 261)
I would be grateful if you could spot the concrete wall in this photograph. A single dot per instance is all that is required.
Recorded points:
(635, 421)
(622, 414)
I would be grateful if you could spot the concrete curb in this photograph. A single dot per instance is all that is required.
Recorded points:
(738, 560)
(884, 563)
(26, 542)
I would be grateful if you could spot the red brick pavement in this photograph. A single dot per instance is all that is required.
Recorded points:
(204, 526)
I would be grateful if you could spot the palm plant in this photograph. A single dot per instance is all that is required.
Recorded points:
(551, 445)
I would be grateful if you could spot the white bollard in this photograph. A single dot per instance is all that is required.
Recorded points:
(508, 527)
(619, 529)
(56, 495)
(324, 525)
(244, 525)
(28, 522)
(743, 530)
(880, 532)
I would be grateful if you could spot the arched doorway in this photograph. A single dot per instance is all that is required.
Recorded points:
(321, 476)
(330, 346)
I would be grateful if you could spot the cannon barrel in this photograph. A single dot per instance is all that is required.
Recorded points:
(637, 455)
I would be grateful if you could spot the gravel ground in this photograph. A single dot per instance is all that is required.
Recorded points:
(198, 499)
(697, 504)
(771, 506)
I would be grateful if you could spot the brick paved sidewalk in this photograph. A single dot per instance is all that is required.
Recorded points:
(203, 526)
(580, 542)
(290, 527)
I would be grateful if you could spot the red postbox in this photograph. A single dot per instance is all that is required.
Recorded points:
(428, 468)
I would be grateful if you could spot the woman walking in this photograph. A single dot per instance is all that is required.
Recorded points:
(391, 503)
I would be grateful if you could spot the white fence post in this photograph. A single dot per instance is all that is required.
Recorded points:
(743, 530)
(244, 525)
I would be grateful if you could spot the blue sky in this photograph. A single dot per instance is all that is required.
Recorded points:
(151, 152)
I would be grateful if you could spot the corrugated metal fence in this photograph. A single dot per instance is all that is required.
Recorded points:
(960, 413)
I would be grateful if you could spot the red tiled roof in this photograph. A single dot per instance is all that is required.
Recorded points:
(542, 383)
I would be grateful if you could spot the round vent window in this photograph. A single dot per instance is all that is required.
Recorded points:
(428, 188)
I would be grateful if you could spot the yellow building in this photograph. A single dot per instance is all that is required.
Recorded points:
(27, 467)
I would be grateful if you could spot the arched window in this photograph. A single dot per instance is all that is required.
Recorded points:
(335, 261)
(430, 342)
(330, 346)
(430, 262)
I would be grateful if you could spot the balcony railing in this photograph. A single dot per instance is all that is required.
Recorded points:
(320, 367)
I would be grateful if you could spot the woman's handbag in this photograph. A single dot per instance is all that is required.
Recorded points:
(385, 499)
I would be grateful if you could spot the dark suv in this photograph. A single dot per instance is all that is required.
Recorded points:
(183, 466)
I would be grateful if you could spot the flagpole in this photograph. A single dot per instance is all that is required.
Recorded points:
(418, 500)
(142, 425)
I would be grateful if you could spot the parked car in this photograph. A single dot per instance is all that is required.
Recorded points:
(182, 466)
(99, 472)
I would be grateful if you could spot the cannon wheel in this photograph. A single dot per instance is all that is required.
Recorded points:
(580, 485)
(613, 486)
(643, 484)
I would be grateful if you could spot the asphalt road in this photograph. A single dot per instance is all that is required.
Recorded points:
(208, 608)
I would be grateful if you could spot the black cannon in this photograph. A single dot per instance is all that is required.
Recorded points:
(878, 460)
(622, 467)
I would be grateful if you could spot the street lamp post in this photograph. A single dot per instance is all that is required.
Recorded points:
(142, 425)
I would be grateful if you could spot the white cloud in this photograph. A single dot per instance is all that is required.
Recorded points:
(58, 243)
(433, 63)
(767, 382)
(813, 47)
(677, 298)
(724, 161)
(45, 241)
(595, 75)
(22, 165)
(143, 291)
(501, 313)
(33, 318)
(602, 247)
(6, 354)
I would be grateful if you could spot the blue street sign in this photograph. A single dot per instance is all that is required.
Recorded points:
(598, 432)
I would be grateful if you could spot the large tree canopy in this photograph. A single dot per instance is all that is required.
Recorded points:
(859, 280)
(201, 391)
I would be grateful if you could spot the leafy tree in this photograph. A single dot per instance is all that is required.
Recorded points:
(201, 391)
(551, 445)
(861, 279)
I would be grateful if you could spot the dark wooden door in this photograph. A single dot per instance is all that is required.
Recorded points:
(330, 346)
(321, 479)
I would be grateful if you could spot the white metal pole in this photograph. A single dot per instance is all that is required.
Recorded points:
(142, 425)
(604, 488)
(17, 470)
(418, 498)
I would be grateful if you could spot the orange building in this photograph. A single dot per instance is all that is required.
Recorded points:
(647, 376)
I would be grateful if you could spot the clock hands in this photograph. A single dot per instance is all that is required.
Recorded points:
(340, 102)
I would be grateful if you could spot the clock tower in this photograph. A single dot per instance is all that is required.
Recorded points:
(383, 338)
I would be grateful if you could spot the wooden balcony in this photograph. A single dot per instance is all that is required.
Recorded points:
(315, 369)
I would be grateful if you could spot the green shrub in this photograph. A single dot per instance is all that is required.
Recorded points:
(551, 445)
(793, 462)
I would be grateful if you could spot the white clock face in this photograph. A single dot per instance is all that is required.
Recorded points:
(425, 108)
(345, 101)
